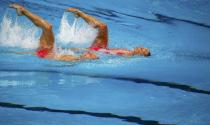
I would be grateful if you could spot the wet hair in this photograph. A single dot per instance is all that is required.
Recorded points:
(141, 51)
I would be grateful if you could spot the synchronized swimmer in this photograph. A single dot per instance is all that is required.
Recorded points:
(100, 44)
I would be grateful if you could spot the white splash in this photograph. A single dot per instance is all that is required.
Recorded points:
(78, 34)
(24, 34)
(63, 51)
(14, 34)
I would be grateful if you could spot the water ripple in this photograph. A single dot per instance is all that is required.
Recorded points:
(172, 85)
(131, 119)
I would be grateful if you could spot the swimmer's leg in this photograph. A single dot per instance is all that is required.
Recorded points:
(47, 37)
(101, 40)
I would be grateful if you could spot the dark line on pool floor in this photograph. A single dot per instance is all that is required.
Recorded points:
(109, 14)
(159, 17)
(172, 85)
(131, 119)
(165, 18)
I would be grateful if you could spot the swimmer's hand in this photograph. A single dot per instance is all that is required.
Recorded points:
(75, 11)
(18, 8)
(89, 56)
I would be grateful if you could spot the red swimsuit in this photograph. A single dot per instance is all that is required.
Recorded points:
(42, 53)
(109, 51)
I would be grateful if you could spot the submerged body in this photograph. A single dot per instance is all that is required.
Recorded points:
(100, 44)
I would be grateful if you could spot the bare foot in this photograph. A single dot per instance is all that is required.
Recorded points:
(18, 8)
(75, 11)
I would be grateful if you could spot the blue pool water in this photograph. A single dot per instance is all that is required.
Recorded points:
(170, 87)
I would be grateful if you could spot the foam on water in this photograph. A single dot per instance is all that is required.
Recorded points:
(14, 34)
(63, 51)
(77, 34)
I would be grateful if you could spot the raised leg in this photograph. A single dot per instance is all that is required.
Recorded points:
(47, 37)
(101, 40)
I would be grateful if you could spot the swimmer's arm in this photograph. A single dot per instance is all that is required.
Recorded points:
(54, 56)
(66, 58)
(78, 49)
(20, 53)
(85, 56)
(25, 53)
